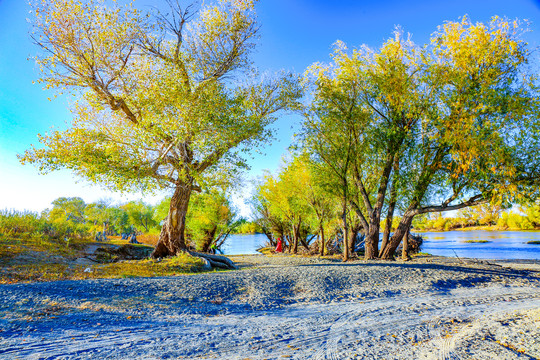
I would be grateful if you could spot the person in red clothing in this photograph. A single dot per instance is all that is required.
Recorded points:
(279, 247)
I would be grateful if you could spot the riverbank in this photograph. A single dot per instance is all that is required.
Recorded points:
(284, 307)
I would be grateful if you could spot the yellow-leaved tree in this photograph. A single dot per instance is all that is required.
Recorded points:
(163, 100)
(426, 129)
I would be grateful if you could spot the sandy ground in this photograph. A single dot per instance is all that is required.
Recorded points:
(283, 307)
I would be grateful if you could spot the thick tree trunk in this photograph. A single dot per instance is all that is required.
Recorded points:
(403, 227)
(372, 237)
(215, 261)
(388, 224)
(172, 237)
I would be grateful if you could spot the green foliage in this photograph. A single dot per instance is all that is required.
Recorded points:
(450, 124)
(17, 223)
(164, 109)
(164, 99)
(247, 227)
(140, 215)
(293, 203)
(22, 222)
(513, 221)
(209, 215)
(72, 218)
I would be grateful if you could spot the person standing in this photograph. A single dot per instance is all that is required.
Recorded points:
(279, 247)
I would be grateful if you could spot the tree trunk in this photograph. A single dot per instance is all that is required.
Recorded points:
(352, 237)
(304, 242)
(391, 207)
(296, 235)
(172, 237)
(215, 261)
(403, 227)
(372, 237)
(345, 232)
(405, 250)
(388, 225)
(208, 239)
(289, 243)
(104, 232)
(269, 237)
(323, 242)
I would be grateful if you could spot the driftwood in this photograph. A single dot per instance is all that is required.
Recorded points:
(216, 261)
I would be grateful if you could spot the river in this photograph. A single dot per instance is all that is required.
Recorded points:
(500, 245)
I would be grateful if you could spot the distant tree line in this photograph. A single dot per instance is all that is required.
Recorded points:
(209, 221)
(525, 217)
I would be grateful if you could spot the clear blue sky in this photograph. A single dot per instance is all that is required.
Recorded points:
(294, 34)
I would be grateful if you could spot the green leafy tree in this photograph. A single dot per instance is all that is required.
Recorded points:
(445, 126)
(68, 209)
(294, 203)
(105, 219)
(328, 137)
(269, 223)
(209, 218)
(140, 215)
(317, 204)
(365, 104)
(67, 217)
(162, 100)
(475, 142)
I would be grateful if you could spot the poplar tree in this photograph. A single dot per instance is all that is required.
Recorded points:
(162, 100)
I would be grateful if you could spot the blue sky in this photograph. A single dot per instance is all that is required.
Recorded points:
(294, 34)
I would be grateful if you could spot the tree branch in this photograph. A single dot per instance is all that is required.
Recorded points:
(475, 200)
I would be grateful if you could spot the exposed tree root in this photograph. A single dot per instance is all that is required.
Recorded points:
(215, 261)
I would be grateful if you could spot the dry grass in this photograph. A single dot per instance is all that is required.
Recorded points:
(182, 264)
(148, 239)
(38, 258)
(11, 246)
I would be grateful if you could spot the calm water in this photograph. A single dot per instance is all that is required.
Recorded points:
(243, 244)
(501, 245)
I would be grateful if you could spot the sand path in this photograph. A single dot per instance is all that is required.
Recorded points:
(279, 308)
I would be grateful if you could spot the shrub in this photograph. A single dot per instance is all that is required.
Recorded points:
(21, 222)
